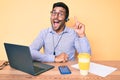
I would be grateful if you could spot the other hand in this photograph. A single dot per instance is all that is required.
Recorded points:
(79, 28)
(63, 57)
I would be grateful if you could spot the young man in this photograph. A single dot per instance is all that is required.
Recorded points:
(60, 42)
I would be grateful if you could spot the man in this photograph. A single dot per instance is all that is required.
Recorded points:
(60, 42)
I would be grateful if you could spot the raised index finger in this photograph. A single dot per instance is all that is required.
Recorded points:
(76, 20)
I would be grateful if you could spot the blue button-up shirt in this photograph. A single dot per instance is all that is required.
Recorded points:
(67, 41)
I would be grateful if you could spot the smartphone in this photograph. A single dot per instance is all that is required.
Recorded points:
(64, 70)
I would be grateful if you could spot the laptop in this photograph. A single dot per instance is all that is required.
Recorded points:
(20, 58)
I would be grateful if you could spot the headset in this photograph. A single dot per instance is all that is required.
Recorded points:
(67, 19)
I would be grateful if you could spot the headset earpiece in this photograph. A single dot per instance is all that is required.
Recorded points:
(67, 19)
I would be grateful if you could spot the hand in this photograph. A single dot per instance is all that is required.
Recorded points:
(79, 28)
(63, 57)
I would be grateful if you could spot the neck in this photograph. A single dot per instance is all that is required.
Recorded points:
(60, 30)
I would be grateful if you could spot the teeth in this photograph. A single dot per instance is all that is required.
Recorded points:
(56, 21)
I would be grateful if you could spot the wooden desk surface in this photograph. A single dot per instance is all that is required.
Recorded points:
(9, 73)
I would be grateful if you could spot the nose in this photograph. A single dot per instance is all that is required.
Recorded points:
(56, 16)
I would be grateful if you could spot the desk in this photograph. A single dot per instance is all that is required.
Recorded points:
(9, 73)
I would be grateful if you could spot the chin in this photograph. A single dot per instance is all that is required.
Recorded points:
(55, 29)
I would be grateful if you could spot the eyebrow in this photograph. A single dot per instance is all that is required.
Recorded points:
(59, 11)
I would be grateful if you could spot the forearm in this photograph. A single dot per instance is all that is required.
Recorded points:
(83, 45)
(36, 55)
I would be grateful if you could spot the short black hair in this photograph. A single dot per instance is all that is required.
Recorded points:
(61, 4)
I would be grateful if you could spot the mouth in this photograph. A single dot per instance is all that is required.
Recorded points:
(56, 23)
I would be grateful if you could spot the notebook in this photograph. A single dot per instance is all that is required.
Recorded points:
(20, 58)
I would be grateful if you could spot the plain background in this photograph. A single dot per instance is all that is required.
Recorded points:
(22, 20)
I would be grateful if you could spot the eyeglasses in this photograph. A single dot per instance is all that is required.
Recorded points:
(60, 14)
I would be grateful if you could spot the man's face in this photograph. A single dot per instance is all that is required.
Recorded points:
(58, 19)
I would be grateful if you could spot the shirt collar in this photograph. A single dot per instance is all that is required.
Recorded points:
(64, 31)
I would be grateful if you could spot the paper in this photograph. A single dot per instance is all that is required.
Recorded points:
(98, 69)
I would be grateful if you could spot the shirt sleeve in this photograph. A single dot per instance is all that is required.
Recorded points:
(35, 49)
(82, 45)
